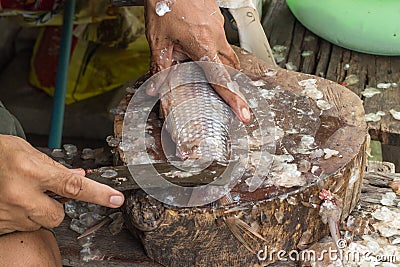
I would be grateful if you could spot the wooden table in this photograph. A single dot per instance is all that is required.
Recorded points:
(328, 61)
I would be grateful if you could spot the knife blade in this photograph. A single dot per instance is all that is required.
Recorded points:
(122, 179)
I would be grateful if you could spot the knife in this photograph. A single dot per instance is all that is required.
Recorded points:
(121, 177)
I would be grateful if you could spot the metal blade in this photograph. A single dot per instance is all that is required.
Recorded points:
(124, 181)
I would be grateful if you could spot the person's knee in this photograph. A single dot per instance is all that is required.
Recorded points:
(37, 248)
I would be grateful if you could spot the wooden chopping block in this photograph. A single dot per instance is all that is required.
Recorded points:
(274, 217)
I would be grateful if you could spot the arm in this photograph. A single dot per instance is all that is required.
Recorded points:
(26, 174)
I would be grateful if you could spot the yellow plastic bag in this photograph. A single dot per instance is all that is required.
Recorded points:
(49, 12)
(104, 56)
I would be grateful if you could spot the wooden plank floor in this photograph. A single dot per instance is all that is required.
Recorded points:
(120, 250)
(328, 60)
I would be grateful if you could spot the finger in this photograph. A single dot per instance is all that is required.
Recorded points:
(221, 81)
(226, 53)
(78, 171)
(235, 101)
(229, 57)
(21, 222)
(28, 226)
(178, 55)
(47, 159)
(161, 59)
(47, 212)
(78, 187)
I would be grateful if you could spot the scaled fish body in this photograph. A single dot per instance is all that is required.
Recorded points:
(196, 117)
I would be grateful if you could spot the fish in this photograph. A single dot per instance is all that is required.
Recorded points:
(195, 116)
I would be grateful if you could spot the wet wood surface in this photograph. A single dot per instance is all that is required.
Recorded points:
(328, 60)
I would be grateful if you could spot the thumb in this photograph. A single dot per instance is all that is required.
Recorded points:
(48, 212)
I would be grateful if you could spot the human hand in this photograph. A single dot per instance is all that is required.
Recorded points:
(194, 30)
(26, 174)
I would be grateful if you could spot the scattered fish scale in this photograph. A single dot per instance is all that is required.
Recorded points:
(351, 80)
(258, 83)
(307, 53)
(295, 117)
(163, 7)
(384, 85)
(323, 105)
(330, 153)
(370, 92)
(374, 117)
(395, 114)
(291, 66)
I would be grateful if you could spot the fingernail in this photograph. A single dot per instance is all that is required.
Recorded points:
(245, 114)
(116, 200)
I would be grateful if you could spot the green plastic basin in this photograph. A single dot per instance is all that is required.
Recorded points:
(369, 26)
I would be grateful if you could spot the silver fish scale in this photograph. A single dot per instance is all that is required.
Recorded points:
(198, 120)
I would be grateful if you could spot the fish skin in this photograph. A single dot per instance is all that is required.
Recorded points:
(196, 117)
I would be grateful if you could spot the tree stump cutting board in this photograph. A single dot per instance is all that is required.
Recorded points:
(278, 215)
